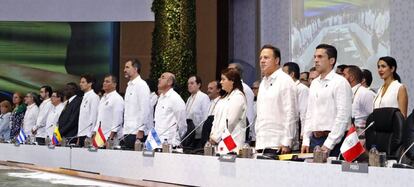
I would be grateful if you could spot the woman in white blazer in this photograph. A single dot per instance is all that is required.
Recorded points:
(230, 110)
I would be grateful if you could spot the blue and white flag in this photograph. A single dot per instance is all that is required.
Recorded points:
(21, 138)
(153, 141)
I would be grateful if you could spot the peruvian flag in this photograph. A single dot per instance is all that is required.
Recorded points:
(351, 148)
(99, 139)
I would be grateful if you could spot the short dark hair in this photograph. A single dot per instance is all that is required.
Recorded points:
(89, 78)
(113, 78)
(306, 73)
(367, 75)
(239, 68)
(330, 51)
(135, 63)
(312, 69)
(222, 92)
(356, 72)
(71, 89)
(197, 79)
(276, 51)
(341, 67)
(48, 89)
(293, 67)
(59, 94)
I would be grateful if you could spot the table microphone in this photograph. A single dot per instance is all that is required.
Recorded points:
(71, 138)
(191, 132)
(399, 164)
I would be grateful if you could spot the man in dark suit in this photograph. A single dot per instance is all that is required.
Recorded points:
(68, 119)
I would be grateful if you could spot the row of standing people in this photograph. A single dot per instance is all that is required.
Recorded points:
(281, 103)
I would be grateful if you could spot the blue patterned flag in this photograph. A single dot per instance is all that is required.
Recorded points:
(153, 141)
(21, 138)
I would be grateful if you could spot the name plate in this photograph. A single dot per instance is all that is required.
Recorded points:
(355, 167)
(227, 158)
(93, 149)
(147, 153)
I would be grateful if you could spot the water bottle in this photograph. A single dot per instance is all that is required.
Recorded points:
(47, 140)
(208, 149)
(63, 143)
(28, 140)
(138, 146)
(317, 154)
(246, 151)
(373, 156)
(110, 143)
(87, 142)
(166, 147)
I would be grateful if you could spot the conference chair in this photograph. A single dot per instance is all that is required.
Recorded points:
(387, 131)
(408, 139)
(188, 142)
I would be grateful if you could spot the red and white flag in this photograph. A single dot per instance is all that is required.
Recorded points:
(227, 143)
(99, 139)
(352, 147)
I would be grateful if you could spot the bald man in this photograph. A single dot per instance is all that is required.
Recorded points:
(170, 117)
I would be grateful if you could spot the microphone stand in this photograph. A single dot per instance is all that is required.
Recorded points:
(399, 164)
(191, 132)
(71, 138)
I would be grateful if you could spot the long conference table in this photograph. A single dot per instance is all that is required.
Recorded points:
(199, 170)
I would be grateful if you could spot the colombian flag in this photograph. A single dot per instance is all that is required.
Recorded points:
(56, 137)
(99, 139)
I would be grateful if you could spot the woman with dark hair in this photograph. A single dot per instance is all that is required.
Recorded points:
(16, 118)
(392, 93)
(230, 110)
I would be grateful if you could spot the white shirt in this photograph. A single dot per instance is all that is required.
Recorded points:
(302, 103)
(390, 98)
(137, 107)
(30, 118)
(40, 126)
(197, 109)
(170, 110)
(88, 113)
(5, 125)
(53, 118)
(231, 112)
(276, 111)
(362, 105)
(153, 102)
(329, 108)
(248, 93)
(212, 107)
(110, 113)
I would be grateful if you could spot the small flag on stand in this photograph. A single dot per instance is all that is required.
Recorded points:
(57, 139)
(227, 144)
(99, 139)
(153, 141)
(352, 148)
(21, 138)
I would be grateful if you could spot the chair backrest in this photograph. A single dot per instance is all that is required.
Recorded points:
(408, 135)
(190, 139)
(387, 131)
(205, 133)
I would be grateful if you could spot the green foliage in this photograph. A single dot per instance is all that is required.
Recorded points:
(174, 40)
